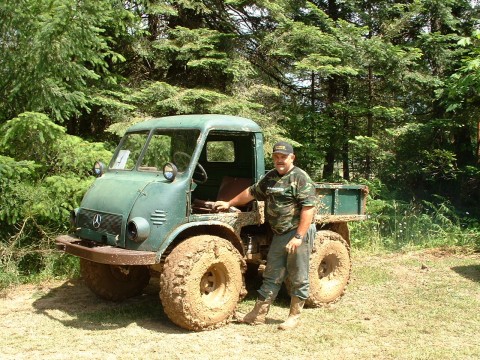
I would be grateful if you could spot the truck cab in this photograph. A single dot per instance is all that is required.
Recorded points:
(163, 175)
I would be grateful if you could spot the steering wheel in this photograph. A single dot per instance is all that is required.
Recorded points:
(199, 174)
(182, 160)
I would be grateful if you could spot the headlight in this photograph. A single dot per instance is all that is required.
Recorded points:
(98, 169)
(138, 229)
(73, 217)
(170, 171)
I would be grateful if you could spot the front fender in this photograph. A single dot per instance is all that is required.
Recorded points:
(202, 227)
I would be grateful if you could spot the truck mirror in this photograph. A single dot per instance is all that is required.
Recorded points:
(98, 169)
(170, 171)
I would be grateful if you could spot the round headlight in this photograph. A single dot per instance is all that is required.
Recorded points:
(98, 169)
(138, 229)
(73, 217)
(170, 171)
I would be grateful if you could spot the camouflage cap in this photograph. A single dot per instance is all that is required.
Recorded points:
(283, 147)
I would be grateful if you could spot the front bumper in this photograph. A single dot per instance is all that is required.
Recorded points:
(104, 254)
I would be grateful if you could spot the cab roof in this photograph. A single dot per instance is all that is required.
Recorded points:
(202, 122)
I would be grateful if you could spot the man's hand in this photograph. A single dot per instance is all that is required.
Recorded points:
(221, 205)
(293, 245)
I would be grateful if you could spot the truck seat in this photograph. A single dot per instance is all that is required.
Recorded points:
(229, 188)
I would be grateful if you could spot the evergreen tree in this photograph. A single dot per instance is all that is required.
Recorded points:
(55, 55)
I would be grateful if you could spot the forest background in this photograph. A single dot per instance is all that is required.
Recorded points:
(379, 92)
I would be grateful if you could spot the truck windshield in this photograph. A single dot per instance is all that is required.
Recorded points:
(164, 146)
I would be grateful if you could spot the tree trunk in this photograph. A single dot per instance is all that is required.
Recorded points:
(332, 97)
(463, 146)
(345, 150)
(346, 167)
(312, 91)
(329, 165)
(478, 142)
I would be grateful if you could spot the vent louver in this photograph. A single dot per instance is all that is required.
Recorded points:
(158, 217)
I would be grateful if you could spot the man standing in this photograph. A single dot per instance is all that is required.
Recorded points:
(289, 196)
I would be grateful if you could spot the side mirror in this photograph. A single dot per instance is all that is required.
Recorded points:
(98, 169)
(170, 171)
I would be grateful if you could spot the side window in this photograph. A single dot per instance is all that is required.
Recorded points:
(220, 151)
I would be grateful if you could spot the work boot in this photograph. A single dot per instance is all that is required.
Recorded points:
(258, 314)
(296, 306)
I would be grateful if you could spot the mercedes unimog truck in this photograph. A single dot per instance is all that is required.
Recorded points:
(149, 213)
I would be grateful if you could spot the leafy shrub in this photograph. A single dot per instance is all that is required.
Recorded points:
(12, 175)
(44, 173)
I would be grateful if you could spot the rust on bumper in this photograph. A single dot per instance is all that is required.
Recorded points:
(103, 253)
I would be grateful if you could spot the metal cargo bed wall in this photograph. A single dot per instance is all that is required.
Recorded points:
(338, 203)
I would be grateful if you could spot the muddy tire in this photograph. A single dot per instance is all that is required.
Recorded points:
(202, 282)
(330, 268)
(112, 282)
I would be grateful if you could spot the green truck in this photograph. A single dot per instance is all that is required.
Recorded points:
(150, 213)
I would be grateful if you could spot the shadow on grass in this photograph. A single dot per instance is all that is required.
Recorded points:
(471, 272)
(74, 305)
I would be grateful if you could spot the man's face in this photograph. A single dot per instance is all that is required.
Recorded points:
(283, 163)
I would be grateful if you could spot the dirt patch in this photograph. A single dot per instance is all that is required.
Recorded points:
(398, 306)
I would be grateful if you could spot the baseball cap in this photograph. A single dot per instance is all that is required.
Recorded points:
(283, 147)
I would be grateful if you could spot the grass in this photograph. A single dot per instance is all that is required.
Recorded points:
(408, 305)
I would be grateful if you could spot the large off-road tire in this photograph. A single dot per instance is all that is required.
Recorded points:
(115, 283)
(330, 268)
(201, 282)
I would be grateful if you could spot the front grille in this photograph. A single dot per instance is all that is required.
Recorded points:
(108, 223)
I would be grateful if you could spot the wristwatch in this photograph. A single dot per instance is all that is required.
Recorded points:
(298, 236)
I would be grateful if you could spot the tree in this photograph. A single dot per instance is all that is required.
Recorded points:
(437, 143)
(55, 55)
(189, 57)
(338, 78)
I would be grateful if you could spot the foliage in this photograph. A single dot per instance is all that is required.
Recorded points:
(53, 54)
(397, 225)
(39, 193)
(13, 174)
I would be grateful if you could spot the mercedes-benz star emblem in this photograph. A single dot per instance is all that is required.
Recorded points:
(97, 220)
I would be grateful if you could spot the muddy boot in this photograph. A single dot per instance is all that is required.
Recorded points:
(296, 306)
(258, 314)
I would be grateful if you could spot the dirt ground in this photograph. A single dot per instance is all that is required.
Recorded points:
(419, 305)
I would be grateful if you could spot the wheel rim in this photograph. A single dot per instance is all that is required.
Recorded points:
(213, 284)
(327, 267)
(328, 272)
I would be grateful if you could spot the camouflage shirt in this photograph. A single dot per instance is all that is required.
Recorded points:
(284, 197)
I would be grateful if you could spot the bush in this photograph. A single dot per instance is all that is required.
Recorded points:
(44, 173)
